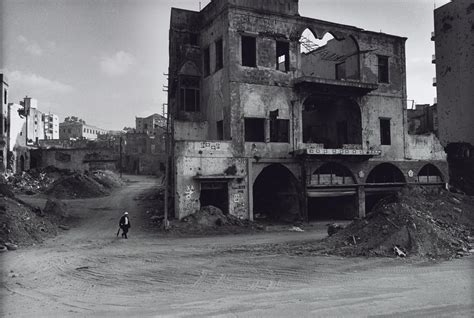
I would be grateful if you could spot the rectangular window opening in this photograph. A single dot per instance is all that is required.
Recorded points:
(255, 129)
(219, 55)
(283, 56)
(383, 69)
(279, 130)
(207, 61)
(194, 39)
(189, 94)
(385, 136)
(341, 71)
(220, 130)
(249, 51)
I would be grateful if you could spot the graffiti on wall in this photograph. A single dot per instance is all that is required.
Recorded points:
(210, 145)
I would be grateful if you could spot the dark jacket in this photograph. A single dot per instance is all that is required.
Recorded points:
(122, 222)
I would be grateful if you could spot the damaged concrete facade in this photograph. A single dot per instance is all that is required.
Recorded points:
(268, 123)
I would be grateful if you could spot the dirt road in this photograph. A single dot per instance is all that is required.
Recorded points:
(88, 272)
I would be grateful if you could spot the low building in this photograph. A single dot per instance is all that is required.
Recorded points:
(423, 119)
(151, 125)
(75, 128)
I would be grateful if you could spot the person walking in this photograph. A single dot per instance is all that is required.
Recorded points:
(124, 224)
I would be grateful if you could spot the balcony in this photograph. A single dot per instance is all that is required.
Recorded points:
(333, 86)
(347, 150)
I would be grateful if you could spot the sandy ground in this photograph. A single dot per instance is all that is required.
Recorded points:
(89, 272)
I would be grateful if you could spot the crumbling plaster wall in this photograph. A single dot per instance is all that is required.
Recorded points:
(208, 159)
(75, 159)
(425, 147)
(454, 48)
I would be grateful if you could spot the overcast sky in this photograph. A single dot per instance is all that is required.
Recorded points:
(104, 60)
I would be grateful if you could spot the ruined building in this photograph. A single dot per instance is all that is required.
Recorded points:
(454, 59)
(282, 116)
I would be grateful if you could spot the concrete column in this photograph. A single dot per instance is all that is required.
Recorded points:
(305, 192)
(250, 188)
(361, 201)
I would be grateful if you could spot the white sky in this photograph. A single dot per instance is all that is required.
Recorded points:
(104, 60)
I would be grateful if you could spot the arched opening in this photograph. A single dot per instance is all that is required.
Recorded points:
(331, 121)
(430, 174)
(332, 174)
(329, 57)
(338, 203)
(276, 195)
(383, 174)
(22, 163)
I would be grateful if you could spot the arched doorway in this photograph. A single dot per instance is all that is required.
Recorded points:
(430, 174)
(332, 121)
(276, 194)
(22, 163)
(332, 193)
(384, 181)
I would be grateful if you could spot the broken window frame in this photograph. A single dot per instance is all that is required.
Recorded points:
(383, 69)
(385, 131)
(282, 49)
(189, 94)
(280, 130)
(254, 129)
(249, 55)
(219, 47)
(206, 56)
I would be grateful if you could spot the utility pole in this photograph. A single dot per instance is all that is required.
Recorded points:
(120, 151)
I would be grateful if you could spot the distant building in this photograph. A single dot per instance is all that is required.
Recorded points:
(454, 59)
(51, 126)
(423, 119)
(74, 128)
(151, 125)
(3, 121)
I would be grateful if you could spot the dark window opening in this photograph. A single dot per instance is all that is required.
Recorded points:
(220, 130)
(207, 61)
(190, 97)
(5, 96)
(249, 51)
(279, 130)
(385, 137)
(341, 71)
(194, 39)
(383, 69)
(255, 129)
(219, 55)
(215, 194)
(283, 56)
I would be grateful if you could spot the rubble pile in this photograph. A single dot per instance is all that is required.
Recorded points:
(211, 220)
(30, 182)
(22, 225)
(83, 185)
(416, 222)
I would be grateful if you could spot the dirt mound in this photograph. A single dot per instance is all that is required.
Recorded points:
(56, 208)
(20, 225)
(433, 224)
(210, 220)
(79, 185)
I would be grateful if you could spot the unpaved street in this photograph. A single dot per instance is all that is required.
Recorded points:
(89, 272)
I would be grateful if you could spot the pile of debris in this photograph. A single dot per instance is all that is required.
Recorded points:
(84, 185)
(30, 182)
(22, 224)
(416, 222)
(211, 220)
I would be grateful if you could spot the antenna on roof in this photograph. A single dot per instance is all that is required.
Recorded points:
(199, 5)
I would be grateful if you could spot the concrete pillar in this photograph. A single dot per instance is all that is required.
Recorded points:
(361, 201)
(250, 188)
(305, 191)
